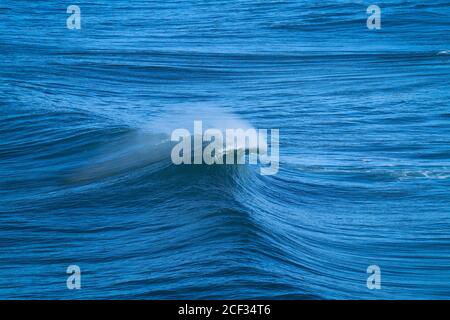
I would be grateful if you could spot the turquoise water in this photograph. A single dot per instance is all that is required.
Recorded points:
(86, 178)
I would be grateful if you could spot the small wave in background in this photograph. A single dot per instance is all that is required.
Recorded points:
(85, 170)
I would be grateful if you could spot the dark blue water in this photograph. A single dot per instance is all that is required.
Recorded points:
(364, 177)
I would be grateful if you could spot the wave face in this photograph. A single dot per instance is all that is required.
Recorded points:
(86, 178)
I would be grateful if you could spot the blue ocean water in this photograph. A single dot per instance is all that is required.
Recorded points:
(364, 174)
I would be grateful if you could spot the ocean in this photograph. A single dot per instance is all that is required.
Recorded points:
(86, 177)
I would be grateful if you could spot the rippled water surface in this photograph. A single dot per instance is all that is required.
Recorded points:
(364, 173)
